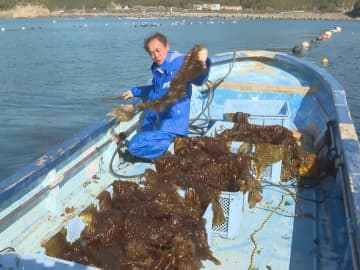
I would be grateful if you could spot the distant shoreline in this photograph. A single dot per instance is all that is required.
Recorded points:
(143, 13)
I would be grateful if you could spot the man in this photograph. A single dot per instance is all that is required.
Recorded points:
(159, 129)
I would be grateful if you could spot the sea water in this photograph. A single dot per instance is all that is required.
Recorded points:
(54, 72)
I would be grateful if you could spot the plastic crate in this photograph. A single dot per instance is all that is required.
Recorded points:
(262, 112)
(272, 173)
(232, 205)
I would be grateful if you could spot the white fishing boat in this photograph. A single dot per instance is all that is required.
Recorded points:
(299, 221)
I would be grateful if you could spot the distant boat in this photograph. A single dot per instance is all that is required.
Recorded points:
(148, 25)
(307, 222)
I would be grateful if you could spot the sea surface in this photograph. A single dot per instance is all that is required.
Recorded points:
(55, 72)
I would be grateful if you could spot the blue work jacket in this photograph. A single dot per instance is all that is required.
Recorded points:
(175, 118)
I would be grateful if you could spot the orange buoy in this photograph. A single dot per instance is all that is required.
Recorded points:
(328, 33)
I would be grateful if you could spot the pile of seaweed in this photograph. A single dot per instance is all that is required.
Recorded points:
(153, 227)
(272, 143)
(209, 167)
(149, 227)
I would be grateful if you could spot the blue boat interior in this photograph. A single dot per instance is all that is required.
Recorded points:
(303, 223)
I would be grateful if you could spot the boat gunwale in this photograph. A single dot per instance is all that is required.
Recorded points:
(31, 172)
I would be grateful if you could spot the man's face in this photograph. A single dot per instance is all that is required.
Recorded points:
(157, 51)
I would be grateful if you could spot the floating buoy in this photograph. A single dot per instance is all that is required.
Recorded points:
(328, 33)
(305, 45)
(296, 50)
(324, 61)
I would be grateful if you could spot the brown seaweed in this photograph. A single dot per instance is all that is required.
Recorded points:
(272, 143)
(153, 227)
(207, 166)
(139, 228)
(123, 112)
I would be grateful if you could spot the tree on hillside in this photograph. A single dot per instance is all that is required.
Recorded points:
(355, 12)
(6, 4)
(276, 5)
(356, 9)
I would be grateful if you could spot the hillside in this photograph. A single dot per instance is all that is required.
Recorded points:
(38, 12)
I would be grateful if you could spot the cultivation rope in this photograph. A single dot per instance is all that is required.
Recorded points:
(252, 236)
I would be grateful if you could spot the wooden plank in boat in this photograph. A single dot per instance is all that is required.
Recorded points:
(245, 86)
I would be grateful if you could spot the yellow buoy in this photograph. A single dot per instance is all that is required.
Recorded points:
(325, 61)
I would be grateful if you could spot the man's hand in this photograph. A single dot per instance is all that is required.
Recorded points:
(127, 95)
(202, 55)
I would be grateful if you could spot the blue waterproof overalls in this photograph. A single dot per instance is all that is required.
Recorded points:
(158, 129)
